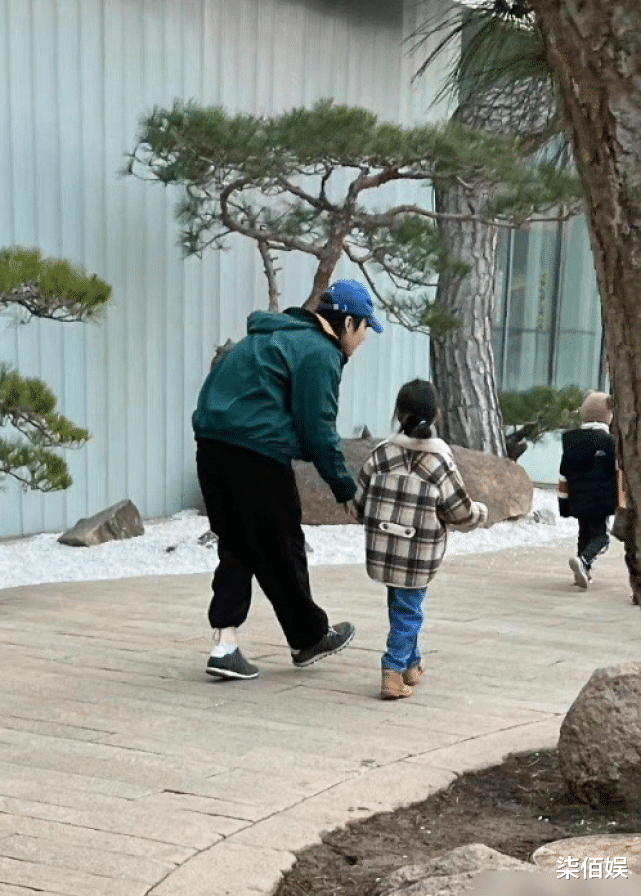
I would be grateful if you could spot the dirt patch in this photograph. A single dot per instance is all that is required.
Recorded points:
(514, 807)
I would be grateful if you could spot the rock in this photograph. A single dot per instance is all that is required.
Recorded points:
(209, 539)
(496, 481)
(117, 522)
(452, 873)
(626, 847)
(600, 740)
(544, 515)
(318, 503)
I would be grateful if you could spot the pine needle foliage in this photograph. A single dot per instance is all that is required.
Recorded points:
(304, 180)
(49, 287)
(54, 289)
(529, 415)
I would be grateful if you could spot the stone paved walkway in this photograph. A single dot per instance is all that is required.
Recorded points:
(125, 770)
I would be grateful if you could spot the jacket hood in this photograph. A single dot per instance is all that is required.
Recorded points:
(291, 319)
(270, 322)
(434, 445)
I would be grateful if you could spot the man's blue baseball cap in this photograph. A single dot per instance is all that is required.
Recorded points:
(351, 297)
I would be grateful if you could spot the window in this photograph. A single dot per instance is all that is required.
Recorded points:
(547, 326)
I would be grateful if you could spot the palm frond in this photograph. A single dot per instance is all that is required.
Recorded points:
(493, 44)
(496, 72)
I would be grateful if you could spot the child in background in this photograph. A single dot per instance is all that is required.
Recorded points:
(408, 490)
(587, 486)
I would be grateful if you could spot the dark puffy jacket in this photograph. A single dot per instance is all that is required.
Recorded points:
(589, 466)
(276, 393)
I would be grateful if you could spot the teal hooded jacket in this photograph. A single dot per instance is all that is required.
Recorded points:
(276, 393)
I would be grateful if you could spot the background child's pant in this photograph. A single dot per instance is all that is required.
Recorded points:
(405, 619)
(593, 539)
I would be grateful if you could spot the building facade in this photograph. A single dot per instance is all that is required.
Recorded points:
(77, 77)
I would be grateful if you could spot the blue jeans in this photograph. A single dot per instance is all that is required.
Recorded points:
(405, 620)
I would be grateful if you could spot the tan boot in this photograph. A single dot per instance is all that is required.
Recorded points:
(412, 676)
(392, 685)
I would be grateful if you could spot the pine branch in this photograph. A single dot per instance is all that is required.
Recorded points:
(35, 467)
(54, 289)
(319, 202)
(49, 288)
(258, 233)
(36, 303)
(270, 273)
(417, 315)
(28, 405)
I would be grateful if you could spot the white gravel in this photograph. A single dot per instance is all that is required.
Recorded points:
(170, 547)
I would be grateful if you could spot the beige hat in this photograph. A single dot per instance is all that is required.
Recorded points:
(597, 408)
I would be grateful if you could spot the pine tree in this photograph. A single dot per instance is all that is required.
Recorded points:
(303, 181)
(498, 82)
(47, 288)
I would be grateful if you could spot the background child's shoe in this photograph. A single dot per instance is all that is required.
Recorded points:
(393, 686)
(580, 571)
(412, 676)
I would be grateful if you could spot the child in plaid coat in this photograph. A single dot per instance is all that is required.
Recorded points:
(409, 489)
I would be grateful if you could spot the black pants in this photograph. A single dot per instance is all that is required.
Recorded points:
(254, 508)
(593, 539)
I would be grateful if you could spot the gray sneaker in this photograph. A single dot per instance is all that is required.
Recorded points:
(337, 637)
(233, 665)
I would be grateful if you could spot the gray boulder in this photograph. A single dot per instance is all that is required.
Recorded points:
(499, 483)
(459, 871)
(117, 522)
(600, 739)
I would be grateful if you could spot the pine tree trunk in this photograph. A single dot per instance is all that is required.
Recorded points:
(463, 359)
(594, 49)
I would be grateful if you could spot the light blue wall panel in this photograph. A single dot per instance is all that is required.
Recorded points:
(77, 75)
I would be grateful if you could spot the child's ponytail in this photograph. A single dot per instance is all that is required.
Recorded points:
(417, 407)
(416, 427)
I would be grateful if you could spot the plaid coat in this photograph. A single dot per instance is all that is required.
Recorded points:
(408, 490)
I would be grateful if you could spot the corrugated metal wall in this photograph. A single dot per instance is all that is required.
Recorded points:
(76, 77)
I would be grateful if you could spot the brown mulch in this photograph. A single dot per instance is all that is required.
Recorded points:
(514, 808)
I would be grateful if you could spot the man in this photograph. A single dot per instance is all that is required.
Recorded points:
(270, 400)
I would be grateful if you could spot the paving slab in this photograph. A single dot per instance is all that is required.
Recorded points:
(125, 769)
(103, 862)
